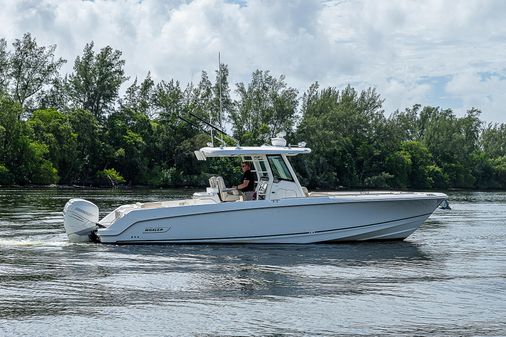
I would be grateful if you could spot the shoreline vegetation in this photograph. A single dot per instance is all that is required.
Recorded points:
(80, 129)
(199, 188)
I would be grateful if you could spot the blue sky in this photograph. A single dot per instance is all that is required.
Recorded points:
(448, 53)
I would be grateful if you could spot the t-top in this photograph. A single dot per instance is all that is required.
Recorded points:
(248, 175)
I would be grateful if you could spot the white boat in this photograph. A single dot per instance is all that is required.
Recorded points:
(282, 210)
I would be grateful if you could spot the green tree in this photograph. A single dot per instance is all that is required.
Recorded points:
(265, 107)
(4, 66)
(420, 158)
(202, 99)
(170, 101)
(140, 97)
(399, 164)
(222, 107)
(90, 149)
(52, 128)
(94, 85)
(24, 160)
(493, 140)
(109, 177)
(484, 171)
(129, 133)
(31, 68)
(10, 132)
(172, 128)
(55, 96)
(452, 141)
(349, 136)
(406, 124)
(499, 168)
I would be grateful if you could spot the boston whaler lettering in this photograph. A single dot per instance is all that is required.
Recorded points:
(282, 210)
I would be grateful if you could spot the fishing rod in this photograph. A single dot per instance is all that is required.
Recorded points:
(214, 127)
(192, 123)
(200, 128)
(208, 124)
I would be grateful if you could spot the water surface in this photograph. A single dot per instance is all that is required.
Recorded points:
(449, 278)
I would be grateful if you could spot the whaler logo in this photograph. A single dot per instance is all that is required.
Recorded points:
(155, 229)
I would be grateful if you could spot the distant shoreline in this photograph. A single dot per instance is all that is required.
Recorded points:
(145, 187)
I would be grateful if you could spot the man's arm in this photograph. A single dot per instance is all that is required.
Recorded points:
(244, 184)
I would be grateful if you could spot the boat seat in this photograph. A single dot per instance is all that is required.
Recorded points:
(213, 183)
(305, 191)
(227, 194)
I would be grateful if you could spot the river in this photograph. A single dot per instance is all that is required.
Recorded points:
(448, 278)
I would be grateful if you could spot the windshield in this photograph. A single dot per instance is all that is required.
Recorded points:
(279, 169)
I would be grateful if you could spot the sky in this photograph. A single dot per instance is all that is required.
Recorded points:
(447, 53)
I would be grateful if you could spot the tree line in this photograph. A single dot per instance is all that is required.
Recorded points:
(79, 128)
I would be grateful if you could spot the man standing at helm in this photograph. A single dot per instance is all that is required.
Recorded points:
(247, 187)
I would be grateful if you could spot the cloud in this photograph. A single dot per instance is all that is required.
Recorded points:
(485, 92)
(412, 51)
(413, 48)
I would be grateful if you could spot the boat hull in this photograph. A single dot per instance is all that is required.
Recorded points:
(295, 220)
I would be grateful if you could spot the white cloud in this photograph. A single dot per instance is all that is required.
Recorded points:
(389, 44)
(486, 93)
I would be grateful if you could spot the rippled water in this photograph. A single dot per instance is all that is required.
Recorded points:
(449, 278)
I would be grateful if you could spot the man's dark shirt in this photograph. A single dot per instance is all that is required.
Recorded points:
(248, 175)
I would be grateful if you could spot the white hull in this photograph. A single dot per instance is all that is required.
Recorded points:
(325, 218)
(283, 211)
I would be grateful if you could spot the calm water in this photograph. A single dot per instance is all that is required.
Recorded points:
(449, 278)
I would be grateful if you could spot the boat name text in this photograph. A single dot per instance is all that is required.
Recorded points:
(154, 229)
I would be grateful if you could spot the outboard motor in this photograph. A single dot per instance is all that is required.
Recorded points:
(80, 219)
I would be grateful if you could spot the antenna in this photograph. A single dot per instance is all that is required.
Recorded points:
(213, 129)
(211, 123)
(219, 90)
(212, 136)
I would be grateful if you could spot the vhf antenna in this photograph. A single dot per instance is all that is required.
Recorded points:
(221, 107)
(219, 90)
(211, 123)
(213, 128)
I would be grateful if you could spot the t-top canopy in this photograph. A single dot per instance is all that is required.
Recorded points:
(208, 152)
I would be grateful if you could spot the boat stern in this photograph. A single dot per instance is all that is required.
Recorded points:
(80, 218)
